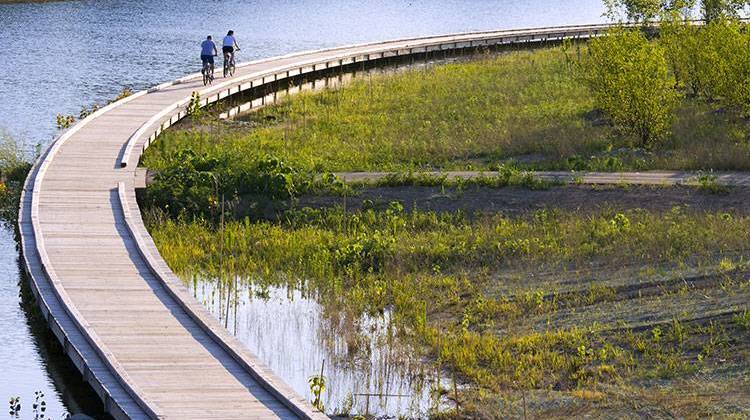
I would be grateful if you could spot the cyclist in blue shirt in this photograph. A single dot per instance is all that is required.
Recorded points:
(208, 52)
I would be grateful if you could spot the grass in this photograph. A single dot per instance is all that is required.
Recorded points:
(502, 176)
(528, 108)
(507, 303)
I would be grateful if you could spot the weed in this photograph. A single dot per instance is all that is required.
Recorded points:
(707, 181)
(743, 319)
(317, 385)
(195, 106)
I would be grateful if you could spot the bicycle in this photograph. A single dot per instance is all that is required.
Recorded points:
(208, 73)
(229, 63)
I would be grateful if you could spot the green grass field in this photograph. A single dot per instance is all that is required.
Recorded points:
(524, 106)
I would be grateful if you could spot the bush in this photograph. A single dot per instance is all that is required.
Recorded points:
(712, 61)
(630, 80)
(193, 183)
(189, 184)
(13, 170)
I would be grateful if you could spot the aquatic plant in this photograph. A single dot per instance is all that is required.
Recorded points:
(14, 406)
(317, 385)
(64, 121)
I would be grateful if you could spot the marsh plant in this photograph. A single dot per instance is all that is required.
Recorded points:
(14, 406)
(38, 407)
(317, 385)
(14, 166)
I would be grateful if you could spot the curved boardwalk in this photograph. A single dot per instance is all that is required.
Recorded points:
(148, 349)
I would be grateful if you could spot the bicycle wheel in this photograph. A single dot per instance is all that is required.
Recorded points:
(231, 69)
(226, 66)
(206, 75)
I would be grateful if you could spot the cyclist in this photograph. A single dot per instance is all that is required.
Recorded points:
(229, 45)
(208, 52)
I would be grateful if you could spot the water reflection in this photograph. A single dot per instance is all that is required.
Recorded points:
(31, 358)
(293, 334)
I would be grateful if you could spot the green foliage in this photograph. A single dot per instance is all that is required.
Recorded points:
(743, 319)
(634, 10)
(85, 112)
(502, 175)
(719, 9)
(193, 183)
(124, 93)
(524, 107)
(64, 121)
(630, 80)
(712, 61)
(440, 276)
(194, 108)
(456, 116)
(317, 385)
(645, 11)
(13, 170)
(707, 181)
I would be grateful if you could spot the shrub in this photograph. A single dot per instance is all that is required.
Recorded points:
(712, 61)
(190, 184)
(630, 80)
(13, 170)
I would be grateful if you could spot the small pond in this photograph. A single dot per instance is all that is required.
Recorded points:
(293, 334)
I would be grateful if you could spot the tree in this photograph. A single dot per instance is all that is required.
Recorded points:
(631, 82)
(645, 11)
(717, 9)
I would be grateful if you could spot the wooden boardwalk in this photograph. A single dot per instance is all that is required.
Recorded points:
(149, 349)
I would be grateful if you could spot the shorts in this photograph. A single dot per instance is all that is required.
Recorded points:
(207, 59)
(226, 49)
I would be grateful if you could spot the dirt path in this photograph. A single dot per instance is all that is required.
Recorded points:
(518, 200)
(633, 178)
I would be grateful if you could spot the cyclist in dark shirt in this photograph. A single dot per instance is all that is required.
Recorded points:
(208, 52)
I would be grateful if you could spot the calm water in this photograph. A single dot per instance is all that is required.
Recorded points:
(363, 360)
(61, 56)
